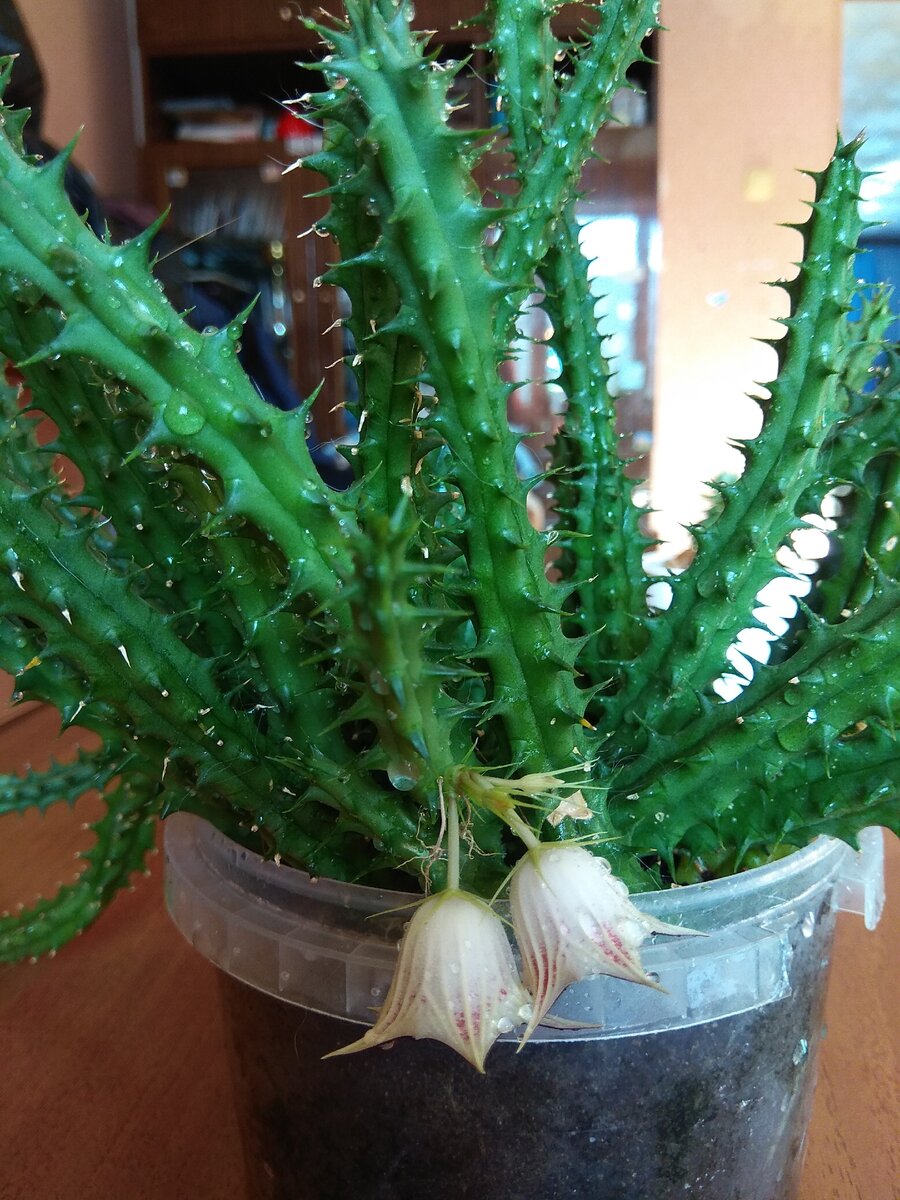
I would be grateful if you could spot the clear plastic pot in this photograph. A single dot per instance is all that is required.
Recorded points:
(701, 1092)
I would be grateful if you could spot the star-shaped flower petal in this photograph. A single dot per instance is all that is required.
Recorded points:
(456, 980)
(572, 919)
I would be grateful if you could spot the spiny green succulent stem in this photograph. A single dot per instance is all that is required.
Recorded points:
(597, 524)
(786, 740)
(157, 676)
(433, 206)
(389, 645)
(386, 361)
(294, 686)
(869, 535)
(524, 49)
(124, 836)
(736, 554)
(132, 496)
(811, 666)
(63, 781)
(198, 396)
(550, 177)
(77, 407)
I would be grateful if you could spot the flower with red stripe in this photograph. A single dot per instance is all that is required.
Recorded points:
(572, 918)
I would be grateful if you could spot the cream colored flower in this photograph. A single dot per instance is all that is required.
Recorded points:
(456, 980)
(572, 919)
(573, 807)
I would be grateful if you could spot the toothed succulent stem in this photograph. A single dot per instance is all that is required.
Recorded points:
(597, 524)
(199, 399)
(736, 553)
(550, 177)
(434, 227)
(124, 837)
(402, 695)
(782, 746)
(525, 51)
(385, 360)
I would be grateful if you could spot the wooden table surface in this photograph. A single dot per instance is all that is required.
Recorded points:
(113, 1077)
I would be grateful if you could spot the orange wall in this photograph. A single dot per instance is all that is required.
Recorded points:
(749, 92)
(83, 49)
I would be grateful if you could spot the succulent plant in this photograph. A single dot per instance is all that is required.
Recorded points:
(325, 675)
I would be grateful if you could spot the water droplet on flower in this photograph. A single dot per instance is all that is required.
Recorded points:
(800, 1052)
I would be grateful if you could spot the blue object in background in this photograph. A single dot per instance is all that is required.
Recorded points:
(879, 262)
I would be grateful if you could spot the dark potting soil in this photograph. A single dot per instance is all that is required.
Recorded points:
(712, 1112)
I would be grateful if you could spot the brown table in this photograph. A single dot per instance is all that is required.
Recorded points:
(114, 1081)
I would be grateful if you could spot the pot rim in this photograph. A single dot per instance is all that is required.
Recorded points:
(245, 867)
(331, 946)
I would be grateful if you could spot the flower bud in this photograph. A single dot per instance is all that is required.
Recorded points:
(572, 919)
(456, 980)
